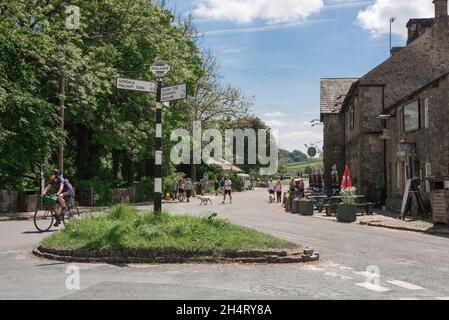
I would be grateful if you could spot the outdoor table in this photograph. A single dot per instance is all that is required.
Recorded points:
(318, 201)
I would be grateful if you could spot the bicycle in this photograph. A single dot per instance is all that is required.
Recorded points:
(45, 212)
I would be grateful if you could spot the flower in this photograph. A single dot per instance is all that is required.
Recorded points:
(348, 195)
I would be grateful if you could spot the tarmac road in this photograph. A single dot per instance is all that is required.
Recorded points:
(401, 265)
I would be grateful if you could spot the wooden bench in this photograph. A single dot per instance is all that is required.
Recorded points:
(367, 208)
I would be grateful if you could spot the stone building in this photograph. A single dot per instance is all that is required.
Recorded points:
(333, 93)
(396, 116)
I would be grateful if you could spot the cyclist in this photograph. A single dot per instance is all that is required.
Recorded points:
(64, 191)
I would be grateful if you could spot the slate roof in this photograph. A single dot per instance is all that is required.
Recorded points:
(416, 65)
(425, 22)
(333, 93)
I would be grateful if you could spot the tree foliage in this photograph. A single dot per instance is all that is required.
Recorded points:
(109, 133)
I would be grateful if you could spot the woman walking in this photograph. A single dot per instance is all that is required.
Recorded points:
(279, 191)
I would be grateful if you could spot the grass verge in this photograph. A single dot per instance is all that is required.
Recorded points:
(123, 227)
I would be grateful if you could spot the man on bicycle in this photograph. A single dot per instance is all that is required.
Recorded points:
(64, 191)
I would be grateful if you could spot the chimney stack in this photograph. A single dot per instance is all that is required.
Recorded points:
(440, 9)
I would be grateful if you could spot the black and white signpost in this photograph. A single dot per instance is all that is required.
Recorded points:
(159, 69)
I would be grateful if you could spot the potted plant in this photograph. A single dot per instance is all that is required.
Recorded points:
(295, 206)
(306, 207)
(347, 210)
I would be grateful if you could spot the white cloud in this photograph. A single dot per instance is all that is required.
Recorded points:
(274, 124)
(296, 134)
(299, 139)
(245, 11)
(376, 18)
(277, 114)
(268, 27)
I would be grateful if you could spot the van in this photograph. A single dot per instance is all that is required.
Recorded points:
(247, 181)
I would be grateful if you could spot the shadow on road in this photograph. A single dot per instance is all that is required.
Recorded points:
(50, 264)
(38, 232)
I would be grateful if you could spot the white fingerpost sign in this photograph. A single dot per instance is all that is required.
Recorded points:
(178, 92)
(136, 85)
(160, 69)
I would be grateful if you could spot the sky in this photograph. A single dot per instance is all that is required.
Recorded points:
(277, 50)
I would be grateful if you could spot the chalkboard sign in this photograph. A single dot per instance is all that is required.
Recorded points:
(412, 187)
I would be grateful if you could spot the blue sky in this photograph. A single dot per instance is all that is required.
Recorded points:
(277, 50)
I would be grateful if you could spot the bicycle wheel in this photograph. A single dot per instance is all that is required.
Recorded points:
(72, 213)
(43, 220)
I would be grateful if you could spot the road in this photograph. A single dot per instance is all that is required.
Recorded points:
(358, 262)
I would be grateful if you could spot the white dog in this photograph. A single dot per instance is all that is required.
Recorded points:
(205, 200)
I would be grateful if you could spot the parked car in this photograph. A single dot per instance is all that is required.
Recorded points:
(247, 181)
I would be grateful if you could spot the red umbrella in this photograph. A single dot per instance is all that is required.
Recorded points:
(346, 181)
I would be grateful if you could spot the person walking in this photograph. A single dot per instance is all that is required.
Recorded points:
(292, 188)
(227, 189)
(189, 186)
(271, 189)
(216, 186)
(222, 184)
(279, 191)
(301, 188)
(182, 186)
(174, 190)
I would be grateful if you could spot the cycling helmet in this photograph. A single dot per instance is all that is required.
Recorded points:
(56, 172)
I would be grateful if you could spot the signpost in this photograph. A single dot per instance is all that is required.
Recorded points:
(311, 152)
(160, 69)
(174, 93)
(136, 85)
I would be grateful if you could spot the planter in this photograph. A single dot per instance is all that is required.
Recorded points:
(288, 204)
(347, 212)
(295, 206)
(306, 208)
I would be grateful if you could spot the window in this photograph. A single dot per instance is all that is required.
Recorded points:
(411, 117)
(428, 171)
(426, 113)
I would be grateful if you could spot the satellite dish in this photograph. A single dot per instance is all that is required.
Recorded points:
(312, 152)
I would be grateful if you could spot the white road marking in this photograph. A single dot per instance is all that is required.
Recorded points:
(372, 287)
(442, 298)
(405, 285)
(345, 268)
(409, 298)
(367, 274)
(336, 275)
(313, 268)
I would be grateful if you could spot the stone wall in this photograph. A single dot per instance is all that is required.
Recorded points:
(364, 149)
(334, 151)
(9, 200)
(432, 143)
